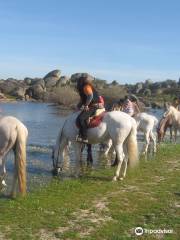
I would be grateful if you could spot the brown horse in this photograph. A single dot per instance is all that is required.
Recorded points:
(164, 124)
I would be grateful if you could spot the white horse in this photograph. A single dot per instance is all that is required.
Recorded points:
(175, 117)
(13, 135)
(146, 124)
(117, 126)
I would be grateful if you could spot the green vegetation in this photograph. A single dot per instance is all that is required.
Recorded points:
(94, 207)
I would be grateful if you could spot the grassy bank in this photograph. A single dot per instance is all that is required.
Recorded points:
(94, 207)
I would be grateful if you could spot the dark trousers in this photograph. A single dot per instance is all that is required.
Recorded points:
(82, 120)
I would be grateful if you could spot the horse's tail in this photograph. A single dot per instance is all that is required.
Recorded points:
(132, 146)
(20, 157)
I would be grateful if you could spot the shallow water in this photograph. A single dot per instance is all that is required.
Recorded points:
(43, 122)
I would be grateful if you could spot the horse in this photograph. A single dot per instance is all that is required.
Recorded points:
(164, 123)
(146, 124)
(175, 116)
(118, 126)
(13, 135)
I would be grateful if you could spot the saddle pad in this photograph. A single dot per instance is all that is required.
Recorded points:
(94, 121)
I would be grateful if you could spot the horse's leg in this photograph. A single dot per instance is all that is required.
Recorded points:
(171, 133)
(115, 163)
(175, 134)
(89, 154)
(108, 147)
(2, 171)
(120, 155)
(124, 165)
(153, 137)
(60, 156)
(147, 138)
(77, 150)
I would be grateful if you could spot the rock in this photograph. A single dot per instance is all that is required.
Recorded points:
(37, 91)
(2, 96)
(19, 93)
(8, 86)
(39, 81)
(64, 80)
(51, 81)
(54, 73)
(28, 81)
(76, 76)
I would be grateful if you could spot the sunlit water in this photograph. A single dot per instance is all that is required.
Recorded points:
(43, 122)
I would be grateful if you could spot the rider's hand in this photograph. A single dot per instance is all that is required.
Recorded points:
(86, 108)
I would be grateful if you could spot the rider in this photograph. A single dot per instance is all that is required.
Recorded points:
(130, 106)
(90, 101)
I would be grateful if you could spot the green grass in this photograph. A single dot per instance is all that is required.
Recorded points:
(94, 207)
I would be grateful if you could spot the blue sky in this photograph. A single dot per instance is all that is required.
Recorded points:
(124, 40)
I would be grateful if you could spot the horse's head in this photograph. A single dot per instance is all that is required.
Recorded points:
(170, 111)
(160, 135)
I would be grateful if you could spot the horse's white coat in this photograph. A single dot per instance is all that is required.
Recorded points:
(146, 124)
(118, 126)
(13, 135)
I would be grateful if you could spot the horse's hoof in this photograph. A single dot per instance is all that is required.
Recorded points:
(121, 178)
(4, 183)
(144, 153)
(56, 171)
(114, 179)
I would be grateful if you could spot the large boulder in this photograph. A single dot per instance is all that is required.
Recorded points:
(38, 91)
(19, 92)
(54, 73)
(28, 80)
(51, 81)
(76, 76)
(38, 81)
(52, 78)
(35, 91)
(64, 80)
(10, 85)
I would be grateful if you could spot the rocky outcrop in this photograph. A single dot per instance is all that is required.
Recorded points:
(54, 83)
(76, 76)
(64, 80)
(52, 78)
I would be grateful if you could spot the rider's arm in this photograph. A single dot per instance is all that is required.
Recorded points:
(89, 93)
(89, 99)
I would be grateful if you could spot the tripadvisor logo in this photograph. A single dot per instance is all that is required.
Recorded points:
(139, 231)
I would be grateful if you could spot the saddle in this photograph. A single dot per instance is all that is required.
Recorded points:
(95, 120)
